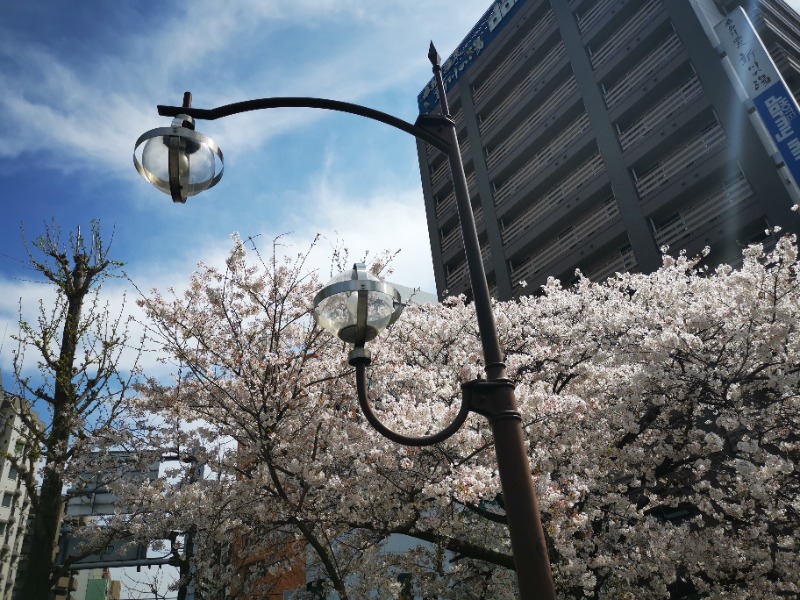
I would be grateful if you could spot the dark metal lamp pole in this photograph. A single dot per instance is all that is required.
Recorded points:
(181, 163)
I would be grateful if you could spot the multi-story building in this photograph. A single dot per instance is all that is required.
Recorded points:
(96, 584)
(596, 132)
(14, 502)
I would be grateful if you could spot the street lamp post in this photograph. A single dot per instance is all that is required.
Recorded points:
(356, 306)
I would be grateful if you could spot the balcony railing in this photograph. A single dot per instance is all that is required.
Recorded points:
(553, 148)
(514, 57)
(454, 237)
(644, 69)
(555, 100)
(542, 68)
(587, 19)
(442, 171)
(621, 35)
(619, 263)
(666, 108)
(719, 201)
(547, 203)
(461, 272)
(449, 201)
(681, 159)
(567, 241)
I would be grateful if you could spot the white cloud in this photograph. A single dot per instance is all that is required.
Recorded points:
(366, 222)
(93, 111)
(84, 114)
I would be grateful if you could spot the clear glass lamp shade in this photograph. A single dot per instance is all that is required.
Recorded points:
(336, 306)
(199, 160)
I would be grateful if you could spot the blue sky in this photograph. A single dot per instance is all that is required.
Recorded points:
(80, 81)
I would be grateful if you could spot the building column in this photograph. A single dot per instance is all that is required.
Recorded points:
(643, 244)
(499, 263)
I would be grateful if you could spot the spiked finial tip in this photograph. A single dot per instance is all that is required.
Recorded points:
(433, 56)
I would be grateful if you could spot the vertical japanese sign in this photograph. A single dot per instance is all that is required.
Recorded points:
(764, 86)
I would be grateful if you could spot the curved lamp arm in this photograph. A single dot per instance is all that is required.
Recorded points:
(211, 114)
(427, 440)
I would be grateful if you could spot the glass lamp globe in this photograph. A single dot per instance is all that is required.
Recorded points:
(198, 162)
(338, 305)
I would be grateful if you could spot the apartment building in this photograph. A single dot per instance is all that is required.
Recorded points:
(14, 502)
(595, 133)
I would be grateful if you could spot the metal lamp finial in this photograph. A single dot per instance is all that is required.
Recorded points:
(433, 56)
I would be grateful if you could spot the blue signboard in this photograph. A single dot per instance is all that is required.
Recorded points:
(490, 24)
(778, 109)
(763, 84)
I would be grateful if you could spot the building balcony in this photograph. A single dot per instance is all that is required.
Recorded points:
(457, 278)
(558, 99)
(643, 70)
(600, 20)
(669, 106)
(441, 172)
(519, 53)
(548, 203)
(543, 71)
(567, 241)
(620, 261)
(446, 208)
(676, 163)
(563, 140)
(689, 220)
(453, 240)
(622, 36)
(600, 9)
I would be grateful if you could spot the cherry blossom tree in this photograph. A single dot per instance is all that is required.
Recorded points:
(661, 411)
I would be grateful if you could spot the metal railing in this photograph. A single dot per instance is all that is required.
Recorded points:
(454, 237)
(514, 57)
(587, 19)
(688, 220)
(442, 171)
(663, 53)
(682, 158)
(547, 203)
(461, 272)
(567, 240)
(540, 70)
(554, 147)
(449, 201)
(621, 35)
(552, 103)
(619, 263)
(665, 109)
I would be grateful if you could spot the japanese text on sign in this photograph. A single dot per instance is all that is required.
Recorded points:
(747, 54)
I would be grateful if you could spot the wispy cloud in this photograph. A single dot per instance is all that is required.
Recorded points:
(92, 110)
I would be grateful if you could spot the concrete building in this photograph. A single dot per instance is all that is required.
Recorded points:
(596, 132)
(96, 584)
(14, 502)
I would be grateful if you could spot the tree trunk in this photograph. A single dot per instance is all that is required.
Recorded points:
(44, 538)
(40, 575)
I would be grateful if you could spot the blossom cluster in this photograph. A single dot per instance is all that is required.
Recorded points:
(661, 414)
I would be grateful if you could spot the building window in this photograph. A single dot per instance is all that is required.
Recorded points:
(7, 499)
(12, 472)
